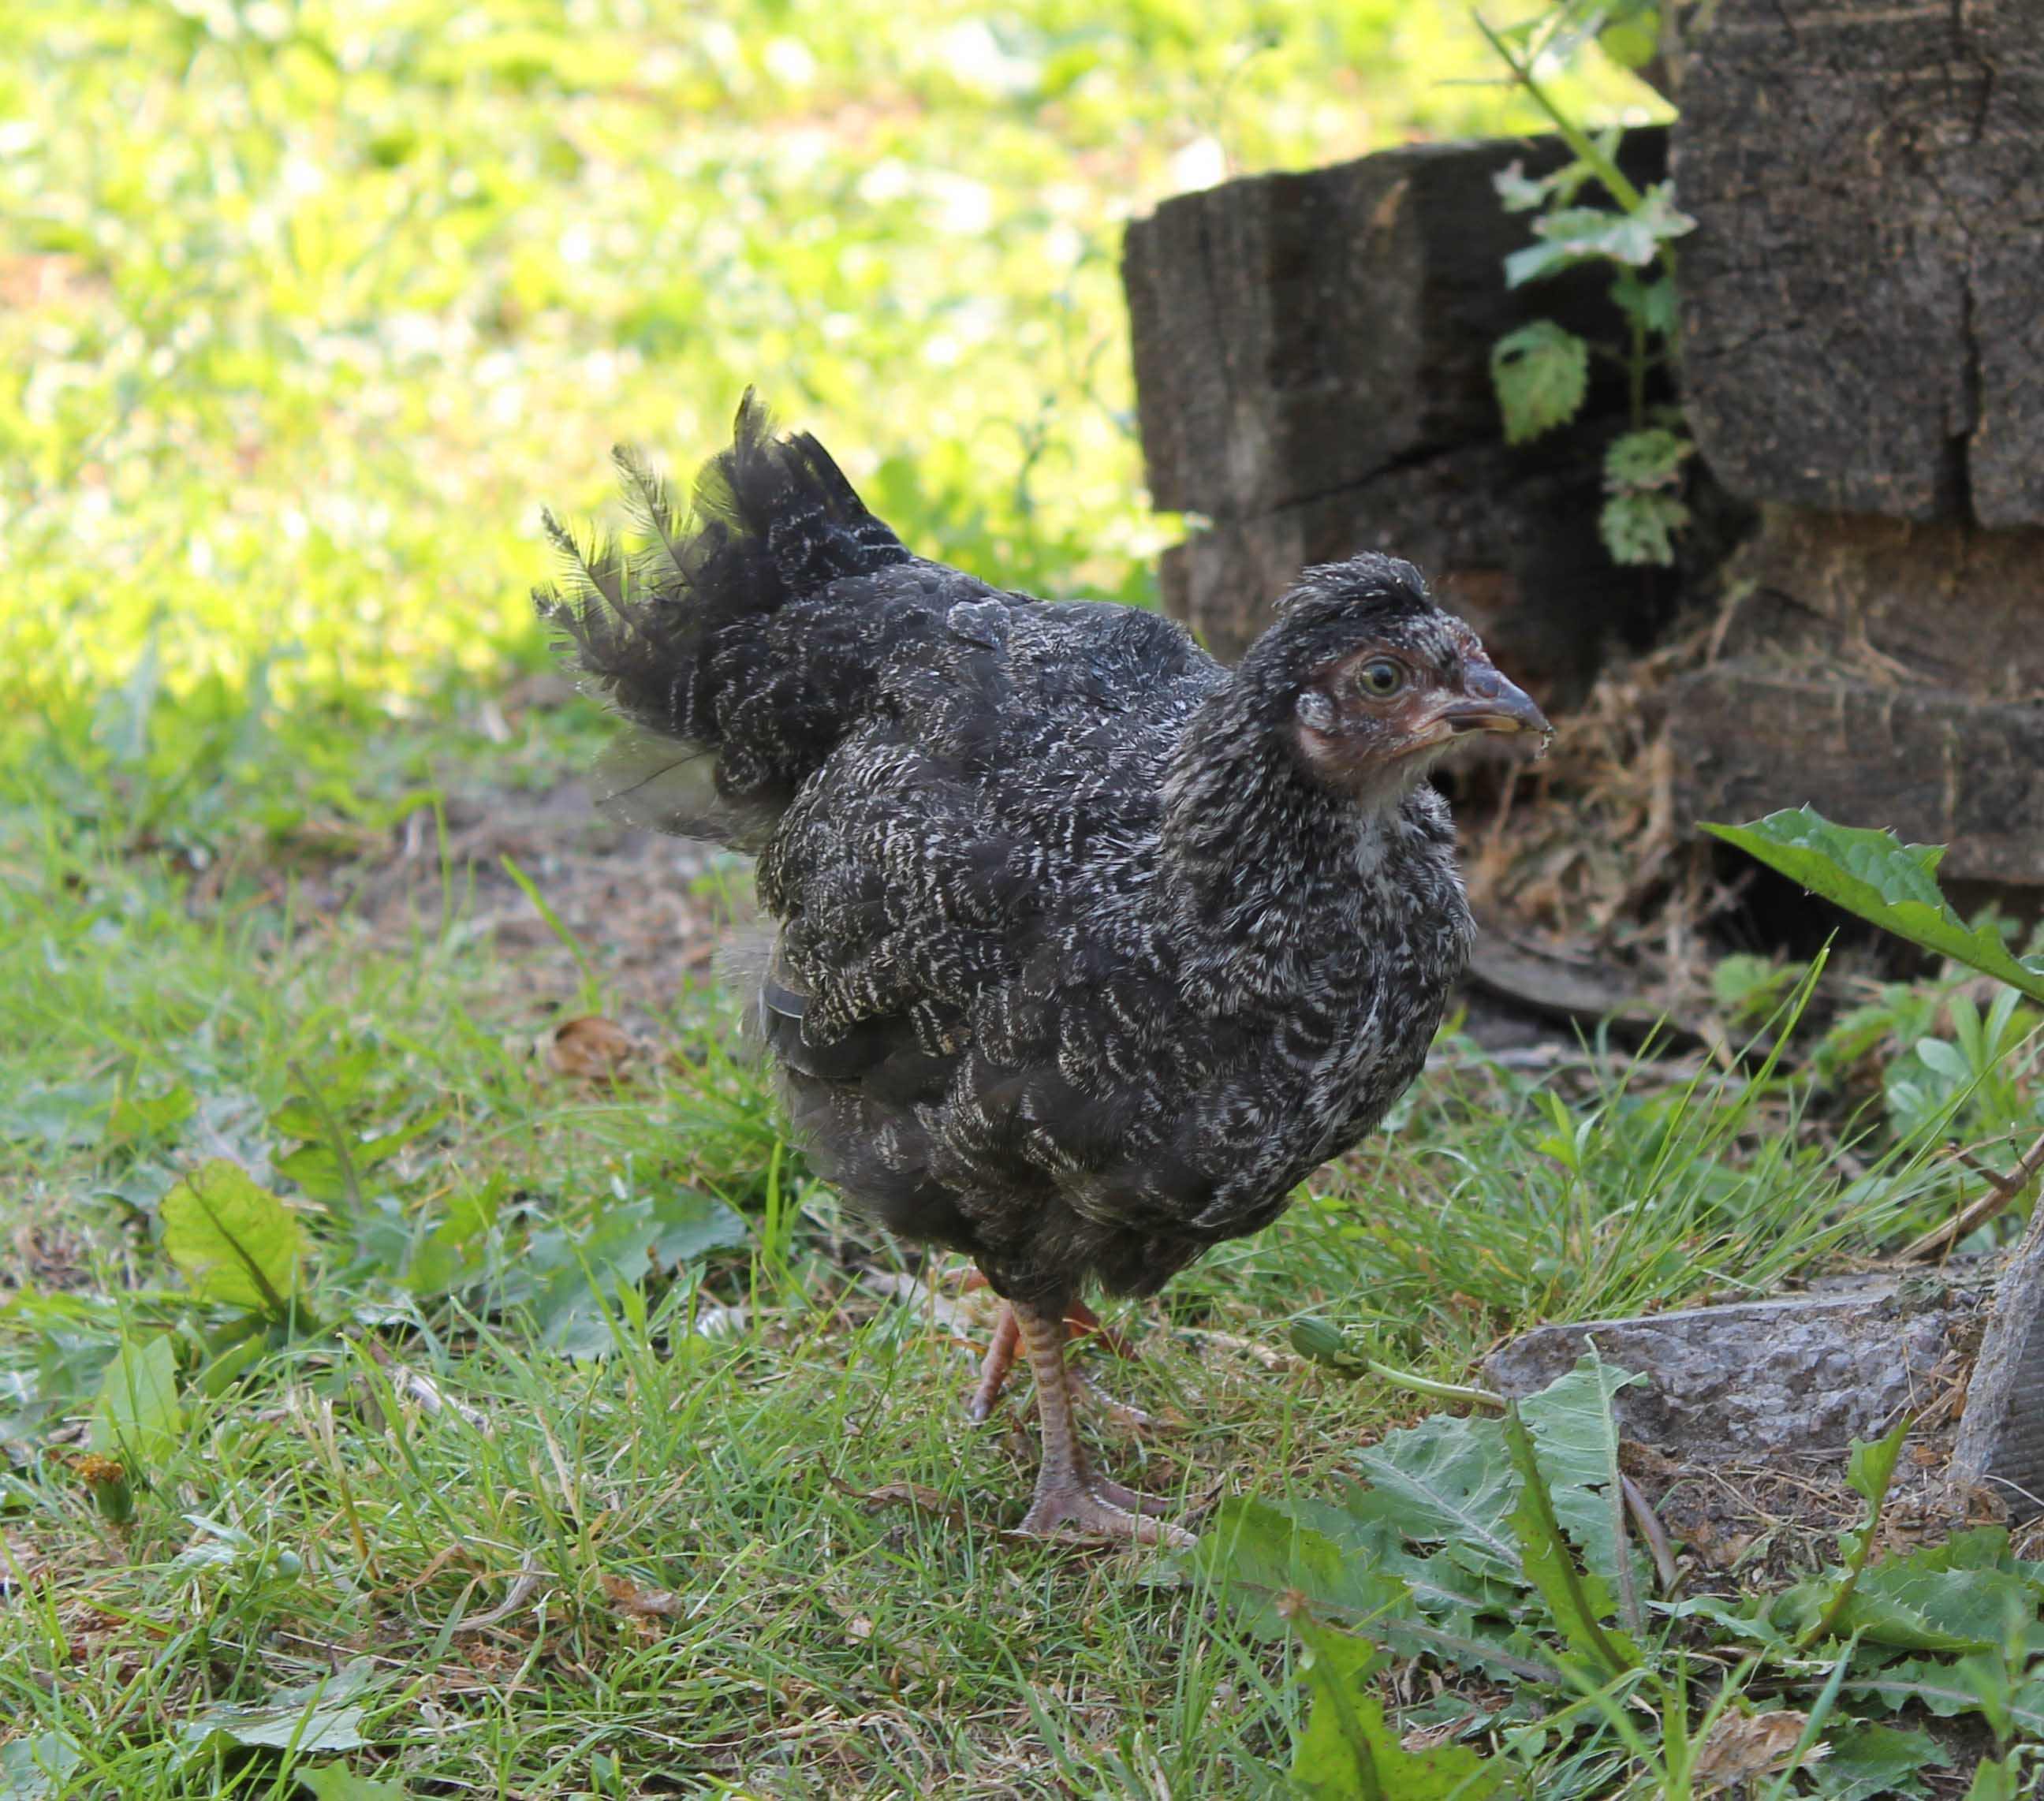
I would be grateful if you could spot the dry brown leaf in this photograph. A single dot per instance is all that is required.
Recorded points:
(628, 1598)
(901, 1494)
(590, 1049)
(1742, 1745)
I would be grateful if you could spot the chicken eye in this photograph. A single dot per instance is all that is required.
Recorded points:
(1380, 677)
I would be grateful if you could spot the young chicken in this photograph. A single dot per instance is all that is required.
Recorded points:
(1089, 950)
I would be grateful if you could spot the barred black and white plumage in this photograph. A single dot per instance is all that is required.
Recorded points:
(1089, 949)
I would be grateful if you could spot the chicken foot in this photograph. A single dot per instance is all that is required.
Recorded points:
(1070, 1499)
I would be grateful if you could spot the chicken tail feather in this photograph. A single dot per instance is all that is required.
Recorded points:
(691, 630)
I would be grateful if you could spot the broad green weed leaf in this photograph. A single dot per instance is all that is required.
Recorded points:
(1449, 1480)
(1870, 1467)
(336, 1782)
(316, 1167)
(1453, 1614)
(1575, 1439)
(1966, 1609)
(137, 1417)
(568, 1275)
(134, 1117)
(1867, 1760)
(33, 1768)
(1578, 234)
(1651, 302)
(1641, 528)
(1882, 1619)
(688, 1225)
(1649, 458)
(316, 1716)
(1518, 192)
(1944, 1690)
(59, 1115)
(234, 1242)
(1335, 1759)
(1576, 1602)
(1541, 373)
(1997, 1778)
(1349, 1752)
(1260, 1552)
(1631, 43)
(1872, 873)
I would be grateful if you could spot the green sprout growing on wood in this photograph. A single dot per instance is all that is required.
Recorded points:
(1541, 370)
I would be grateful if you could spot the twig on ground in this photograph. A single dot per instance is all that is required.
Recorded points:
(2002, 1191)
(1650, 1529)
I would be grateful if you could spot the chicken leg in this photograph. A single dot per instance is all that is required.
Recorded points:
(1070, 1499)
(1000, 1360)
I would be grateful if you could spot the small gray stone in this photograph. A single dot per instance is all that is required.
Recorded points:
(1758, 1378)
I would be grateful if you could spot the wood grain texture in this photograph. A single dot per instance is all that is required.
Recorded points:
(1861, 320)
(2001, 1435)
(1936, 765)
(1297, 334)
(1948, 603)
(1508, 538)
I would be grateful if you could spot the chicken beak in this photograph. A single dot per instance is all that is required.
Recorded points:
(1490, 703)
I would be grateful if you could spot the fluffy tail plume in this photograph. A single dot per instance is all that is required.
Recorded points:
(706, 632)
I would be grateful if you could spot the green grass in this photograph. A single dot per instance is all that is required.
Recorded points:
(304, 310)
(821, 1645)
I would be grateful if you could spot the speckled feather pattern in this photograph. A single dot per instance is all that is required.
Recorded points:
(1079, 967)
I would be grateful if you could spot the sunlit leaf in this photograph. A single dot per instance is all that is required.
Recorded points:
(234, 1241)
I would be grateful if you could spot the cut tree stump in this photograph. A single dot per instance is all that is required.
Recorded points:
(1861, 322)
(1937, 766)
(1298, 334)
(1312, 375)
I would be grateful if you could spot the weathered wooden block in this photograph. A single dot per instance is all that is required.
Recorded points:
(1860, 310)
(1296, 334)
(1936, 765)
(1508, 538)
(1946, 604)
(2001, 1437)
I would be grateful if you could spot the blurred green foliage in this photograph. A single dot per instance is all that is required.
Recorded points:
(306, 305)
